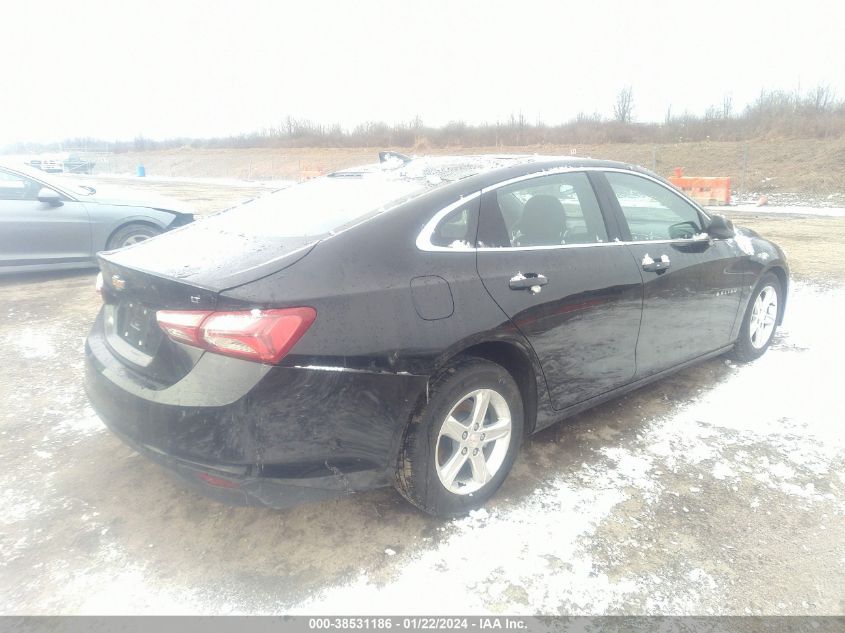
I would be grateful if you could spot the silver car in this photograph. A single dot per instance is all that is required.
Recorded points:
(49, 223)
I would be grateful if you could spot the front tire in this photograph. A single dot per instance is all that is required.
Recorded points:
(760, 321)
(460, 448)
(131, 234)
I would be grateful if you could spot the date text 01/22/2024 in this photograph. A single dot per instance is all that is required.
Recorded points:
(417, 623)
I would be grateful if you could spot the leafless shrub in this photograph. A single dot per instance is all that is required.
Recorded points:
(623, 109)
(818, 113)
(821, 98)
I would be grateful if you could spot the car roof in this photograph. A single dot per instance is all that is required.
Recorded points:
(474, 171)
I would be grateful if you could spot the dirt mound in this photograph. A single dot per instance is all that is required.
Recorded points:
(809, 166)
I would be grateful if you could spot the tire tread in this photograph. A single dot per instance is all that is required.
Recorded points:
(743, 351)
(409, 481)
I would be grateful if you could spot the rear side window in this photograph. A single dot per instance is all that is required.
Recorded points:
(652, 211)
(458, 228)
(546, 211)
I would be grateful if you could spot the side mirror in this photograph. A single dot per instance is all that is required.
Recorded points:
(720, 228)
(48, 196)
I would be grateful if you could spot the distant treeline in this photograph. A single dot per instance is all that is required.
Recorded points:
(818, 113)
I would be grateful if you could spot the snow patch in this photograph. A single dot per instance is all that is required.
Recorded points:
(32, 344)
(731, 430)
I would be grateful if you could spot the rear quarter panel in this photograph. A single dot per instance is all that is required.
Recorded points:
(359, 282)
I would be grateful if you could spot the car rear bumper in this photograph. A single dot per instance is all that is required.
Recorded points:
(241, 489)
(278, 437)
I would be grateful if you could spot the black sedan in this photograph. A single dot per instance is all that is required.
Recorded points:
(49, 222)
(410, 322)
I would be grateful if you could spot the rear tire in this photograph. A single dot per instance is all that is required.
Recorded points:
(131, 234)
(460, 448)
(760, 321)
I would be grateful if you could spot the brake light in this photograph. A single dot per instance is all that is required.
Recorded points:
(265, 336)
(183, 326)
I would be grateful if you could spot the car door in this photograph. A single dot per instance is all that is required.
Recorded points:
(34, 232)
(691, 284)
(546, 256)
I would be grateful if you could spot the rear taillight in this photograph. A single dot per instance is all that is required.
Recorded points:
(265, 336)
(183, 326)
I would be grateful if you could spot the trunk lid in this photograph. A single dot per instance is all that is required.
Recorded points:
(207, 255)
(131, 300)
(185, 269)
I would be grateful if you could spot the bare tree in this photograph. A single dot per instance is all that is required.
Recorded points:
(624, 106)
(821, 98)
(727, 106)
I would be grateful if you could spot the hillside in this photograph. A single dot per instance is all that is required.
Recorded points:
(810, 167)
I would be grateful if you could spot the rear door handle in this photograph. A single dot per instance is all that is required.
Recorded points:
(655, 265)
(533, 282)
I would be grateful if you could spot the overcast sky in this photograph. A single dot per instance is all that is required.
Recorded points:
(120, 69)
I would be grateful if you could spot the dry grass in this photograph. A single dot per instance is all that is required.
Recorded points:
(812, 166)
(814, 246)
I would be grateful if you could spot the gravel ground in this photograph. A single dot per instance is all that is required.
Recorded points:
(720, 490)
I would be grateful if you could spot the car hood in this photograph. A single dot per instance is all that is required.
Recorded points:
(207, 256)
(115, 196)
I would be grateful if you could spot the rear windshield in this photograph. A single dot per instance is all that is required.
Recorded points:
(320, 207)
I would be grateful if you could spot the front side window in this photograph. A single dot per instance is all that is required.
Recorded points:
(551, 210)
(652, 211)
(15, 187)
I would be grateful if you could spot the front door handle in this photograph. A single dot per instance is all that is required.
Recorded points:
(533, 282)
(655, 265)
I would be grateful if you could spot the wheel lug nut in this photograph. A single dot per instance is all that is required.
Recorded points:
(464, 450)
(483, 435)
(464, 436)
(475, 451)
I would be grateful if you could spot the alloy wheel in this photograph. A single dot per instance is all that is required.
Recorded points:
(473, 441)
(763, 317)
(135, 238)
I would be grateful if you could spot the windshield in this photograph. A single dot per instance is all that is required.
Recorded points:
(320, 207)
(61, 182)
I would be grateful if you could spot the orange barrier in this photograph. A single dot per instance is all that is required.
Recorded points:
(703, 189)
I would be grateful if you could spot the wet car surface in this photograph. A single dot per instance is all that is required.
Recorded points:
(297, 346)
(718, 490)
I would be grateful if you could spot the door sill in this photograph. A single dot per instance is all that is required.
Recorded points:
(557, 415)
